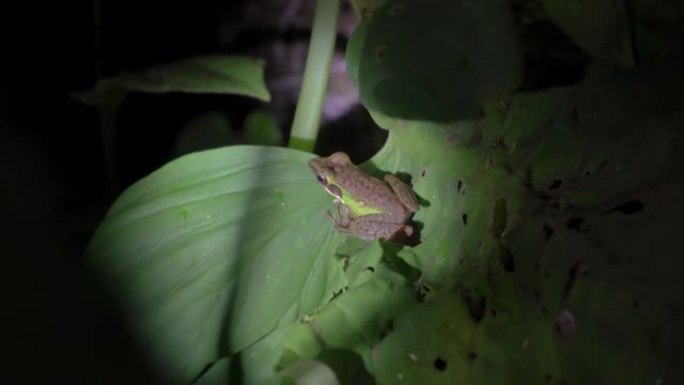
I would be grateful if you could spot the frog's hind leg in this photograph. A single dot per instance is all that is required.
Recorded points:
(404, 192)
(371, 227)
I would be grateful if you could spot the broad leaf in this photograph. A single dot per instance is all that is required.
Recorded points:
(549, 239)
(216, 250)
(435, 60)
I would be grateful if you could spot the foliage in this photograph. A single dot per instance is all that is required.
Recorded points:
(548, 226)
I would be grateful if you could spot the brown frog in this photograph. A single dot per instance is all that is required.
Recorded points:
(369, 208)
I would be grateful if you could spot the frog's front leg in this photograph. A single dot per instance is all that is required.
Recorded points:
(404, 192)
(343, 215)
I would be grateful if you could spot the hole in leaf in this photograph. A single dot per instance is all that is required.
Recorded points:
(579, 268)
(371, 269)
(565, 324)
(465, 219)
(422, 291)
(574, 223)
(380, 52)
(472, 356)
(422, 173)
(396, 10)
(548, 377)
(506, 259)
(459, 186)
(499, 218)
(440, 364)
(548, 231)
(628, 208)
(476, 307)
(556, 183)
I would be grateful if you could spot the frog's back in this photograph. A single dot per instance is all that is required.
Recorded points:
(367, 189)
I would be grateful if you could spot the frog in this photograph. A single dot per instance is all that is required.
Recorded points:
(368, 208)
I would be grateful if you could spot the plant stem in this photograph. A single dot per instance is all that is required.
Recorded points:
(307, 116)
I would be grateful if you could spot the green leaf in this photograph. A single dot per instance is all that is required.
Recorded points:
(354, 320)
(311, 372)
(549, 237)
(216, 250)
(435, 60)
(202, 74)
(601, 27)
(261, 128)
(209, 130)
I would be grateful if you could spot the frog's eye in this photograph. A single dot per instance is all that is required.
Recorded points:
(322, 179)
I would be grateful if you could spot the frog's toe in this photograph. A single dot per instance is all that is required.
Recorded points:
(408, 230)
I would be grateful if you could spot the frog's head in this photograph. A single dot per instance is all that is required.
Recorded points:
(324, 168)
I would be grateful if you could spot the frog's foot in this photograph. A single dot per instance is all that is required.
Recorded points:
(402, 233)
(370, 227)
(408, 230)
(342, 220)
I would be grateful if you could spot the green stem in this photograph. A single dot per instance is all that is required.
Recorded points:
(307, 116)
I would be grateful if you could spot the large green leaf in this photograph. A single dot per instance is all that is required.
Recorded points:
(436, 60)
(551, 244)
(216, 250)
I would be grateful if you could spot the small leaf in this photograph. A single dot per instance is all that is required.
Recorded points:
(202, 74)
(209, 130)
(261, 128)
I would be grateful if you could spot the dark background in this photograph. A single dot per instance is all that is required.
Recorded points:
(60, 325)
